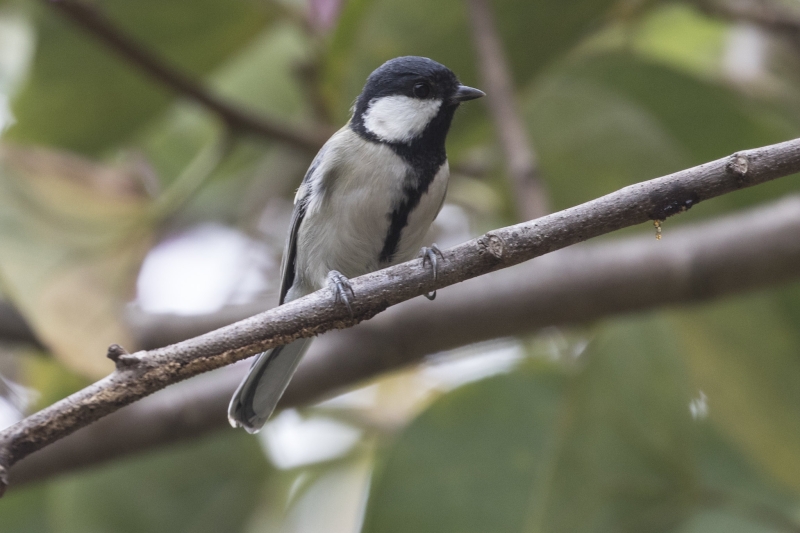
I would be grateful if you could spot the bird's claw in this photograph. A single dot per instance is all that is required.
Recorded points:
(428, 255)
(340, 285)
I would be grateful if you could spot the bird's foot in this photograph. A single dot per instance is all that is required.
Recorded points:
(428, 255)
(340, 286)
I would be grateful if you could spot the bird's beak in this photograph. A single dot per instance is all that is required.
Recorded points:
(465, 93)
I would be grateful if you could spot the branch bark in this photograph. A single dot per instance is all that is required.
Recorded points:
(146, 372)
(530, 194)
(102, 28)
(756, 249)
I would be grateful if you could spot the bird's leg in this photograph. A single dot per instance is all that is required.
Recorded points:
(428, 255)
(340, 285)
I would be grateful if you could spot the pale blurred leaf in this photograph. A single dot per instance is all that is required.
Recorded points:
(72, 236)
(680, 36)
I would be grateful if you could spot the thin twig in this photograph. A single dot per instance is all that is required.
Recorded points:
(314, 314)
(745, 251)
(530, 194)
(101, 27)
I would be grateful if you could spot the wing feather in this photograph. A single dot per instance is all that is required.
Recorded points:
(288, 264)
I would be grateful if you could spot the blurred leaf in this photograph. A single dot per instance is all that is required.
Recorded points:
(682, 37)
(17, 37)
(737, 493)
(605, 121)
(469, 462)
(591, 140)
(83, 97)
(325, 498)
(262, 77)
(607, 446)
(709, 119)
(51, 378)
(536, 33)
(605, 449)
(211, 486)
(725, 521)
(72, 238)
(24, 511)
(744, 357)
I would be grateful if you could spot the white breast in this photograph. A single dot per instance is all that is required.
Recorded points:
(399, 118)
(347, 221)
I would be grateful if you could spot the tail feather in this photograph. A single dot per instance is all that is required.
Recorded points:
(258, 394)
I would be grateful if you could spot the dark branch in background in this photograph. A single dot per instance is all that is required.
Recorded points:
(745, 251)
(156, 330)
(144, 373)
(97, 24)
(530, 194)
(13, 327)
(770, 15)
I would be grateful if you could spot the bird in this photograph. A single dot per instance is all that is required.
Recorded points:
(365, 203)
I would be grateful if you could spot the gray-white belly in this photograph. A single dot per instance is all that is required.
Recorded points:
(346, 228)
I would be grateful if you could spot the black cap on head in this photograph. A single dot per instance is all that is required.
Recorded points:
(412, 76)
(420, 127)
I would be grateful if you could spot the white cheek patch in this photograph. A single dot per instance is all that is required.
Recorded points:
(399, 118)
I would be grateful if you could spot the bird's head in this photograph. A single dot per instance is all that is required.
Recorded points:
(407, 98)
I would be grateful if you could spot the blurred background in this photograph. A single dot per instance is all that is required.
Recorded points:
(150, 151)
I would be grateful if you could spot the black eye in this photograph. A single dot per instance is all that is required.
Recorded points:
(422, 90)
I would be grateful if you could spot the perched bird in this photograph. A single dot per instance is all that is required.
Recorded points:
(365, 203)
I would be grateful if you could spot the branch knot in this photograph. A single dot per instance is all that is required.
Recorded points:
(122, 359)
(493, 244)
(739, 165)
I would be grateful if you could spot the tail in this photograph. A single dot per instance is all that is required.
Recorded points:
(258, 394)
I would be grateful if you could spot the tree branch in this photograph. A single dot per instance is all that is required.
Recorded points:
(146, 372)
(97, 24)
(770, 15)
(745, 251)
(530, 193)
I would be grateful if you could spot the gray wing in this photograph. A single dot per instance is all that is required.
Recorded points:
(288, 264)
(258, 394)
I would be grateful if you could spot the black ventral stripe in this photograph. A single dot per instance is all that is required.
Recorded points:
(398, 219)
(424, 155)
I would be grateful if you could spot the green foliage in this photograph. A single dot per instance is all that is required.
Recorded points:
(605, 121)
(604, 444)
(83, 97)
(611, 93)
(537, 31)
(209, 486)
(744, 355)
